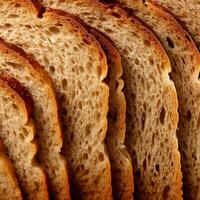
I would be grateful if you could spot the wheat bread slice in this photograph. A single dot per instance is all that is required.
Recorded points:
(151, 97)
(187, 12)
(16, 63)
(77, 66)
(185, 62)
(17, 133)
(9, 186)
(121, 167)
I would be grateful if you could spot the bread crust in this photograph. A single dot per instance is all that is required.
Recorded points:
(19, 94)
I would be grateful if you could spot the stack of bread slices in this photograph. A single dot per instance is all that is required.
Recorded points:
(99, 100)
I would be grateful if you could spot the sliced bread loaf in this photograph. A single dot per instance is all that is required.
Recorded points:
(15, 62)
(151, 97)
(185, 61)
(17, 133)
(77, 65)
(188, 12)
(121, 167)
(9, 187)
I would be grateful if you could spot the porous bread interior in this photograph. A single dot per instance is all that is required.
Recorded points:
(185, 61)
(77, 67)
(150, 95)
(9, 187)
(48, 128)
(121, 167)
(188, 12)
(18, 140)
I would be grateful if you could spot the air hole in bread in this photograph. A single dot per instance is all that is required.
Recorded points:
(101, 157)
(149, 157)
(183, 60)
(54, 30)
(170, 43)
(189, 115)
(13, 16)
(27, 26)
(137, 62)
(80, 105)
(17, 5)
(15, 106)
(88, 129)
(157, 168)
(86, 41)
(108, 30)
(85, 156)
(144, 164)
(75, 49)
(52, 70)
(162, 115)
(143, 120)
(166, 191)
(147, 43)
(151, 61)
(152, 184)
(115, 15)
(7, 25)
(125, 52)
(64, 84)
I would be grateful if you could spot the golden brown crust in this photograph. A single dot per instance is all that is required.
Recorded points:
(19, 93)
(20, 90)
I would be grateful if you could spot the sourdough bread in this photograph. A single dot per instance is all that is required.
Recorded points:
(151, 97)
(15, 62)
(17, 133)
(121, 167)
(188, 12)
(77, 65)
(9, 187)
(185, 60)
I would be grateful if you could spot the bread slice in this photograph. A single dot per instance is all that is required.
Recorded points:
(15, 62)
(77, 65)
(9, 187)
(188, 12)
(17, 134)
(151, 97)
(121, 167)
(185, 61)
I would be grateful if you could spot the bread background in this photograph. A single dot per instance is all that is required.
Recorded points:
(88, 68)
